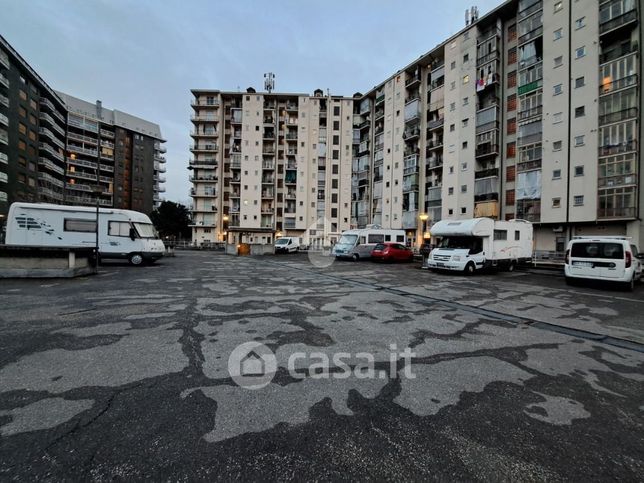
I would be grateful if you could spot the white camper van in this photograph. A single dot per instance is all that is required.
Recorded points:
(358, 244)
(122, 233)
(477, 243)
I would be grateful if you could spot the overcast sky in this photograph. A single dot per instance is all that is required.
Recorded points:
(144, 56)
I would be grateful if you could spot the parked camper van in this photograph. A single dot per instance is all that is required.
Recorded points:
(122, 233)
(477, 243)
(609, 258)
(287, 244)
(358, 244)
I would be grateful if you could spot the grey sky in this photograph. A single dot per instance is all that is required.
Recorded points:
(144, 56)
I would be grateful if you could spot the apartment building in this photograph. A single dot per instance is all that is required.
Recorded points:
(270, 164)
(119, 153)
(531, 111)
(55, 148)
(32, 134)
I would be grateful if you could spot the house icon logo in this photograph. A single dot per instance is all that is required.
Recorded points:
(252, 365)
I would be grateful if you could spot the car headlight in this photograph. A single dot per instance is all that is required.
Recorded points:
(456, 258)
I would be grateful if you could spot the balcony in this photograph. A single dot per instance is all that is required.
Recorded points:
(528, 113)
(528, 36)
(617, 212)
(206, 148)
(432, 162)
(4, 100)
(271, 194)
(50, 165)
(203, 118)
(410, 183)
(380, 98)
(4, 81)
(4, 59)
(4, 120)
(625, 19)
(531, 86)
(486, 189)
(4, 137)
(410, 134)
(486, 173)
(618, 116)
(204, 102)
(44, 102)
(489, 57)
(105, 167)
(51, 151)
(205, 163)
(618, 148)
(529, 210)
(412, 80)
(107, 134)
(488, 209)
(617, 84)
(434, 144)
(532, 8)
(53, 124)
(4, 158)
(81, 175)
(435, 123)
(364, 147)
(486, 149)
(209, 133)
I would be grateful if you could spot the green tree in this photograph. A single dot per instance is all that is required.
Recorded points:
(172, 220)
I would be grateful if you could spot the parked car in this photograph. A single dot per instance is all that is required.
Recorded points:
(392, 252)
(287, 244)
(358, 244)
(613, 259)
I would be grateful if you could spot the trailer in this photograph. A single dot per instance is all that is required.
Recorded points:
(123, 234)
(358, 244)
(477, 243)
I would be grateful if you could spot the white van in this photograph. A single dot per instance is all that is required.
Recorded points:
(610, 258)
(287, 244)
(122, 234)
(473, 244)
(358, 244)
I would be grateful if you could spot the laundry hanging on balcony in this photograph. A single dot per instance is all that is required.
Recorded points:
(528, 185)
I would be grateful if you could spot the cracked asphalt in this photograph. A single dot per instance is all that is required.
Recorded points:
(124, 375)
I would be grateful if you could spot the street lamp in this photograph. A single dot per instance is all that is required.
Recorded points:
(224, 227)
(424, 217)
(98, 190)
(1, 228)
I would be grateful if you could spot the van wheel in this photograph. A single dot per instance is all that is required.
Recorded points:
(571, 281)
(470, 268)
(355, 257)
(135, 259)
(630, 286)
(511, 267)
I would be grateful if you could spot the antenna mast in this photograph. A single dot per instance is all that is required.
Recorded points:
(269, 82)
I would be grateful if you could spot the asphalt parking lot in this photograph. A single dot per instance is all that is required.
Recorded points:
(125, 374)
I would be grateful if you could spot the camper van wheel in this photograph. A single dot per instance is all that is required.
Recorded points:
(512, 266)
(355, 257)
(470, 268)
(136, 259)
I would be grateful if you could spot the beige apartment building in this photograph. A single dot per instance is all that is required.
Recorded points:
(267, 165)
(531, 111)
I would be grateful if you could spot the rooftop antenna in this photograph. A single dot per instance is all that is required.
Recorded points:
(269, 82)
(467, 17)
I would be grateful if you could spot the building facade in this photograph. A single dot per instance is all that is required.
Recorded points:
(267, 164)
(55, 148)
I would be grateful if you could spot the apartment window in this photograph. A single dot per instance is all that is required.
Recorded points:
(466, 35)
(453, 65)
(452, 86)
(512, 79)
(335, 169)
(336, 110)
(463, 166)
(450, 190)
(465, 121)
(512, 103)
(557, 89)
(557, 34)
(558, 6)
(580, 52)
(451, 170)
(22, 112)
(452, 106)
(511, 150)
(512, 56)
(450, 212)
(580, 111)
(466, 101)
(510, 173)
(556, 146)
(512, 126)
(22, 128)
(558, 61)
(557, 117)
(580, 22)
(578, 200)
(452, 127)
(336, 125)
(22, 145)
(463, 210)
(579, 170)
(509, 197)
(556, 202)
(556, 174)
(512, 32)
(23, 95)
(466, 79)
(336, 154)
(336, 140)
(464, 145)
(579, 82)
(464, 188)
(334, 184)
(466, 57)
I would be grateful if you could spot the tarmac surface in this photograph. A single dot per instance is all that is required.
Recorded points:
(513, 376)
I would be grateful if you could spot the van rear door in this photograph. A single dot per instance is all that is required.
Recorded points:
(597, 259)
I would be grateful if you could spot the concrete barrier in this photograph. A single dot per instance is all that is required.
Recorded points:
(250, 249)
(45, 262)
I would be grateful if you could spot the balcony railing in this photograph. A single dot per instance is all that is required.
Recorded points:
(486, 149)
(4, 59)
(627, 212)
(435, 123)
(415, 79)
(618, 84)
(486, 173)
(617, 148)
(528, 113)
(4, 80)
(618, 116)
(617, 22)
(531, 86)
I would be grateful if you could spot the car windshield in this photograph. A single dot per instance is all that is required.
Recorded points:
(347, 240)
(281, 241)
(473, 244)
(145, 230)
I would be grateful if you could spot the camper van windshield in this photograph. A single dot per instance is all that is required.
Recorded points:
(146, 230)
(473, 244)
(348, 240)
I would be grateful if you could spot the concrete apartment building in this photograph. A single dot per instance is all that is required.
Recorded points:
(531, 111)
(49, 146)
(268, 164)
(121, 153)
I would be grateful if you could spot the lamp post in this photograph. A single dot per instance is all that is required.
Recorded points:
(424, 249)
(2, 228)
(98, 190)
(224, 227)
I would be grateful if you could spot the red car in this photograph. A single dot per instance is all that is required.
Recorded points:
(392, 252)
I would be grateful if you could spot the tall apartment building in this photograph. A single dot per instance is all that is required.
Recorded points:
(49, 146)
(270, 164)
(32, 134)
(113, 150)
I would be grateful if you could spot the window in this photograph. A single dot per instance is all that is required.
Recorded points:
(500, 234)
(580, 22)
(556, 174)
(464, 122)
(450, 212)
(517, 235)
(512, 79)
(579, 200)
(579, 140)
(336, 110)
(557, 89)
(512, 32)
(464, 145)
(466, 57)
(512, 102)
(83, 226)
(23, 95)
(463, 210)
(579, 82)
(22, 128)
(614, 251)
(453, 65)
(336, 125)
(450, 190)
(466, 101)
(558, 61)
(466, 79)
(511, 150)
(579, 170)
(580, 52)
(558, 6)
(556, 146)
(509, 197)
(118, 228)
(580, 111)
(22, 112)
(452, 127)
(452, 85)
(512, 56)
(557, 34)
(463, 166)
(452, 106)
(512, 126)
(336, 140)
(557, 117)
(556, 202)
(464, 188)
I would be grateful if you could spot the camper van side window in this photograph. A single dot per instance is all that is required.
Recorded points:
(400, 238)
(387, 238)
(118, 228)
(362, 240)
(374, 238)
(517, 235)
(500, 234)
(83, 226)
